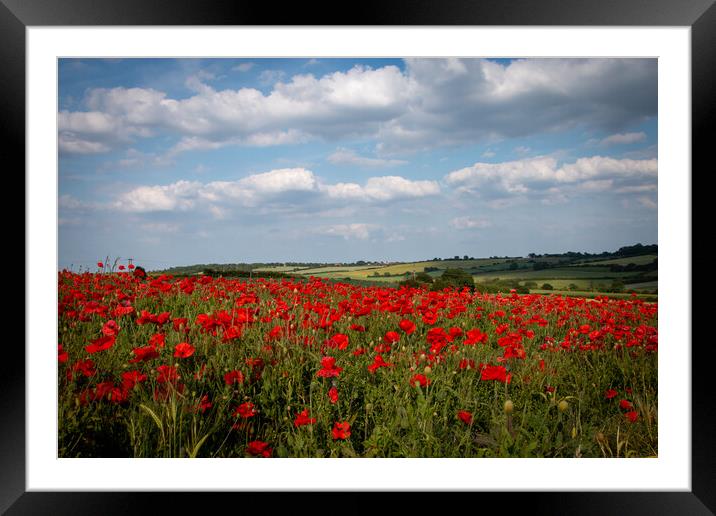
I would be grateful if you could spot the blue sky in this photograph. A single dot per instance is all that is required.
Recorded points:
(181, 161)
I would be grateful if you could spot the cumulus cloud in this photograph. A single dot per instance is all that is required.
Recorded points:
(358, 231)
(349, 157)
(286, 185)
(386, 188)
(433, 102)
(596, 173)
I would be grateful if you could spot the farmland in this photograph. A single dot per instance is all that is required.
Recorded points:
(202, 366)
(594, 275)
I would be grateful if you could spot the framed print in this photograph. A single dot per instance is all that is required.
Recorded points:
(413, 251)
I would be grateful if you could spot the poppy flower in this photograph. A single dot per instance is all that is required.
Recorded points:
(204, 404)
(465, 416)
(333, 395)
(328, 368)
(341, 430)
(420, 379)
(378, 362)
(110, 328)
(130, 266)
(497, 373)
(610, 393)
(62, 355)
(121, 267)
(339, 340)
(625, 404)
(100, 344)
(233, 377)
(632, 416)
(391, 337)
(259, 449)
(407, 326)
(245, 410)
(184, 350)
(303, 419)
(132, 378)
(143, 354)
(100, 265)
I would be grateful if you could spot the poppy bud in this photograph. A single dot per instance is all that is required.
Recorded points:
(509, 407)
(428, 369)
(563, 406)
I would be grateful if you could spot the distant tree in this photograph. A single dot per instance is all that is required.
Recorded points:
(546, 286)
(423, 277)
(572, 286)
(466, 257)
(455, 278)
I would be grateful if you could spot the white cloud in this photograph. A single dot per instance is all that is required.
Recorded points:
(433, 102)
(469, 223)
(349, 157)
(384, 188)
(358, 231)
(243, 67)
(595, 173)
(623, 139)
(177, 196)
(258, 189)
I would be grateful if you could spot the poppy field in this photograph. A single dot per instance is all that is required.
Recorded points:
(163, 366)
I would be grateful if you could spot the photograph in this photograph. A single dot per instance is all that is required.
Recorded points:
(357, 257)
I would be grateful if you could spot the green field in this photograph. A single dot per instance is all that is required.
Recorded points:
(636, 260)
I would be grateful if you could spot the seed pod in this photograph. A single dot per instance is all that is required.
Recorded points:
(509, 407)
(563, 406)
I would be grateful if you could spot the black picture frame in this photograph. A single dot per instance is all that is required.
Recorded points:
(700, 15)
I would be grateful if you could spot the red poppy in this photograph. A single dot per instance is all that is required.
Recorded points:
(184, 350)
(132, 378)
(157, 340)
(259, 449)
(204, 404)
(303, 419)
(465, 416)
(339, 340)
(391, 337)
(328, 368)
(233, 377)
(245, 410)
(130, 266)
(100, 265)
(110, 328)
(610, 393)
(378, 362)
(498, 373)
(632, 416)
(100, 344)
(407, 326)
(625, 404)
(62, 355)
(420, 379)
(143, 354)
(121, 267)
(341, 430)
(333, 395)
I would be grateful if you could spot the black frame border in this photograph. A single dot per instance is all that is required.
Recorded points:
(699, 15)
